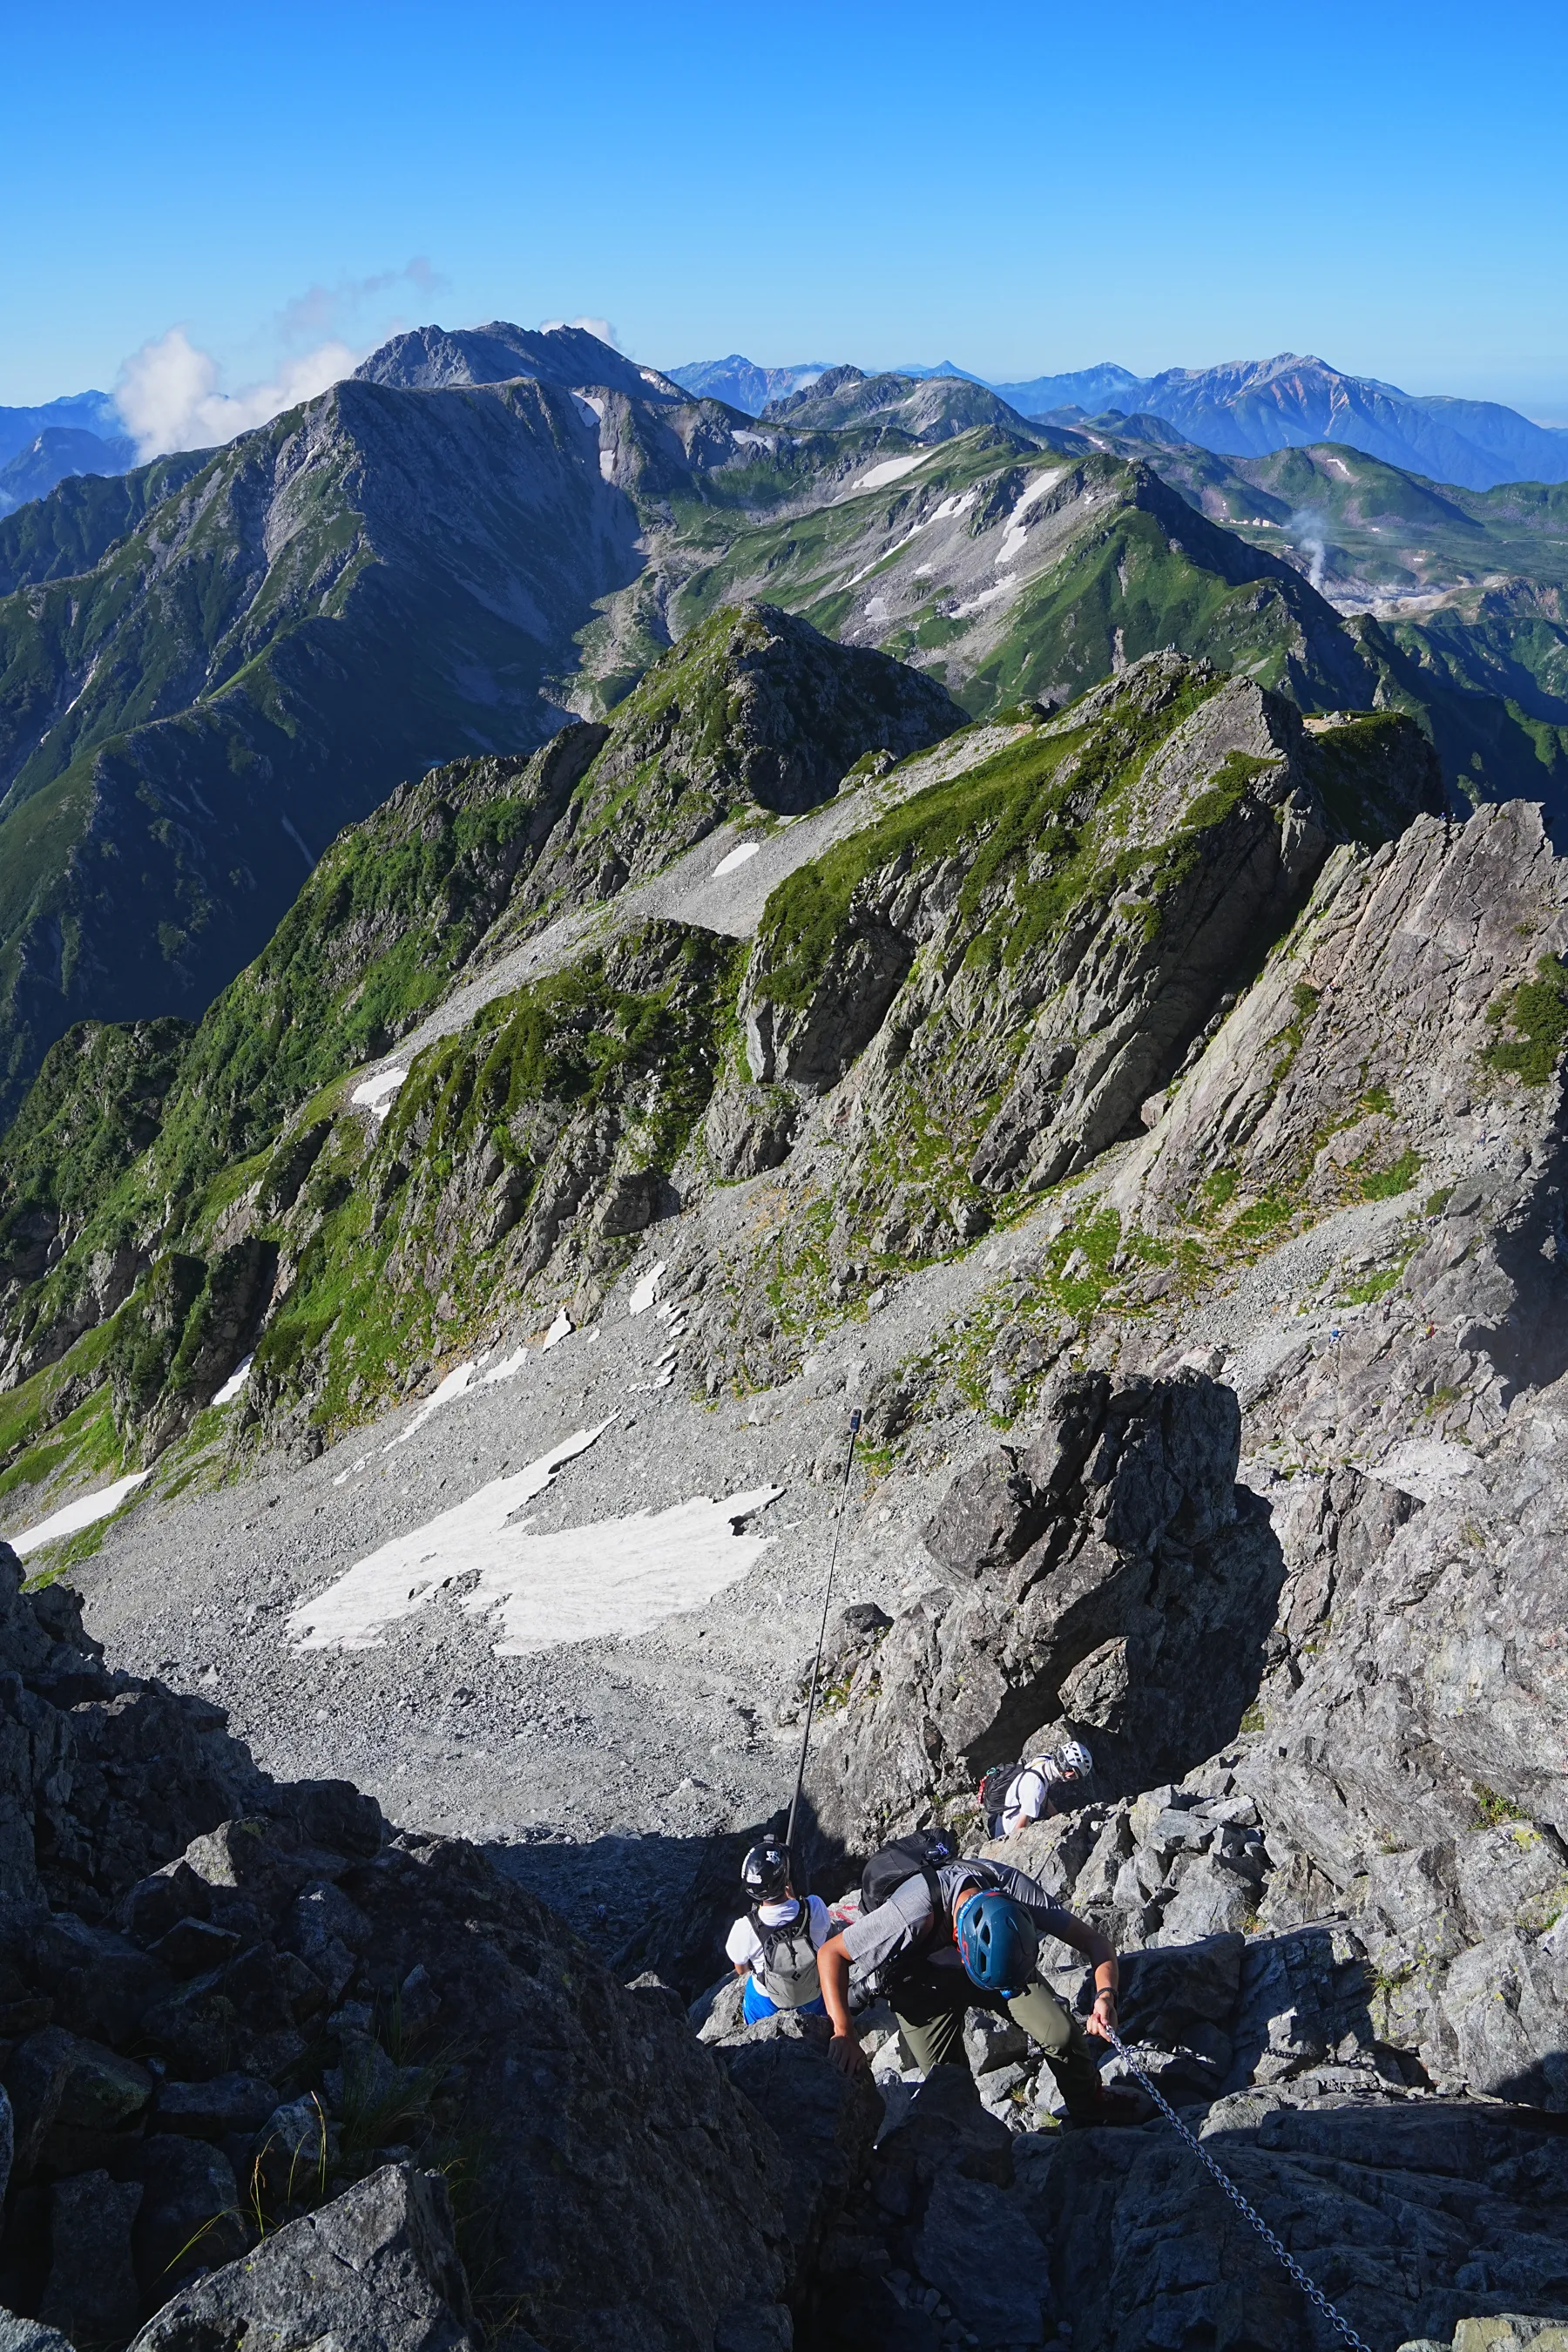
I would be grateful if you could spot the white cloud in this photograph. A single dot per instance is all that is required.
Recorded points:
(170, 397)
(330, 310)
(600, 327)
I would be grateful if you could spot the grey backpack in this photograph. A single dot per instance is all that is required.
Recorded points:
(786, 1968)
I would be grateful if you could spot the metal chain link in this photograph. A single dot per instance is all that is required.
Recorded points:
(1307, 2286)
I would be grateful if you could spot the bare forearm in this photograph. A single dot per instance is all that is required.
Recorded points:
(1096, 1949)
(833, 1976)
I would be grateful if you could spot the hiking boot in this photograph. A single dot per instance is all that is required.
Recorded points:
(1107, 2107)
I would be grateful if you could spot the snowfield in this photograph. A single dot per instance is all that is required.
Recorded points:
(376, 1094)
(614, 1576)
(85, 1512)
(891, 469)
(737, 857)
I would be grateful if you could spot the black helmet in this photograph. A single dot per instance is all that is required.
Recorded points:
(765, 1873)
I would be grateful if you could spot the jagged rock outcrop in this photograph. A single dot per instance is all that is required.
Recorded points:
(1418, 1764)
(1111, 1579)
(754, 710)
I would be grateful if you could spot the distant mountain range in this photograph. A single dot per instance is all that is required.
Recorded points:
(1246, 408)
(82, 434)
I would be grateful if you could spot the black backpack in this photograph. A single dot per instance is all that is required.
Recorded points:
(992, 1793)
(915, 1856)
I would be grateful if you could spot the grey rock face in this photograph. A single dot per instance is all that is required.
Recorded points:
(30, 2335)
(376, 2270)
(1439, 1700)
(813, 1044)
(1331, 2172)
(1111, 1585)
(749, 1129)
(985, 2262)
(825, 2123)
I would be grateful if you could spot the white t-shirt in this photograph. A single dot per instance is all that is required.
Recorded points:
(1026, 1800)
(744, 1945)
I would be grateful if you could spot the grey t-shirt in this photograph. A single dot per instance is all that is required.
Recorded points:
(903, 1923)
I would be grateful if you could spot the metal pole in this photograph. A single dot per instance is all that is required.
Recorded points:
(821, 1638)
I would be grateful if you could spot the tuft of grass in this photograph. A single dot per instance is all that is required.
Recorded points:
(1536, 1013)
(1386, 1183)
(1492, 1808)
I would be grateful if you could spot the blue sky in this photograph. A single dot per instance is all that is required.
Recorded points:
(1018, 189)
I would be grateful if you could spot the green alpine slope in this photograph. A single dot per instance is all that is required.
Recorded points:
(365, 587)
(173, 1200)
(753, 714)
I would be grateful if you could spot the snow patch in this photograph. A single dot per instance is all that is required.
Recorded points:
(607, 465)
(1017, 528)
(955, 505)
(594, 406)
(736, 857)
(646, 1291)
(85, 1512)
(899, 544)
(391, 1583)
(559, 1329)
(456, 1384)
(986, 596)
(891, 469)
(374, 1095)
(235, 1382)
(752, 440)
(506, 1369)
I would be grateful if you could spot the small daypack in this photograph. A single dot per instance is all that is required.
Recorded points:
(785, 1969)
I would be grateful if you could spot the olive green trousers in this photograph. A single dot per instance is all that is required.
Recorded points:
(930, 2003)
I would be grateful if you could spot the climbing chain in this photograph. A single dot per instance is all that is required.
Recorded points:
(1308, 2287)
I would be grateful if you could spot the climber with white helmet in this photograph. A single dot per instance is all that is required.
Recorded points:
(1012, 1796)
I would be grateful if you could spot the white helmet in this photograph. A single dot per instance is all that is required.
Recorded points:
(1073, 1760)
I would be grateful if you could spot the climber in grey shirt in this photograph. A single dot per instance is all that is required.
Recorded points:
(976, 1946)
(903, 1923)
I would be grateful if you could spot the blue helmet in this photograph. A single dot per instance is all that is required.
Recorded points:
(998, 1944)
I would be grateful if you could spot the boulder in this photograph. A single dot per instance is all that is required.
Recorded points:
(191, 1947)
(946, 2130)
(213, 2109)
(92, 2294)
(35, 2078)
(30, 2335)
(189, 2219)
(980, 2253)
(376, 2270)
(1112, 1583)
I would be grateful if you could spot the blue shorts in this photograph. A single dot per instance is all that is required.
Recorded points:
(757, 2005)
